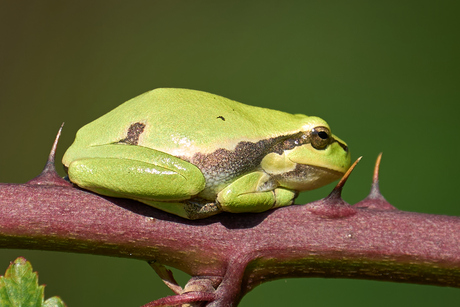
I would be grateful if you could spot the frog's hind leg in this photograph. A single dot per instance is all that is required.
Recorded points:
(136, 172)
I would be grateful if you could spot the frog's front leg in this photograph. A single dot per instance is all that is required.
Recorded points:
(136, 172)
(254, 192)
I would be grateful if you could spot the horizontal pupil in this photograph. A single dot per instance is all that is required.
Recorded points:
(323, 135)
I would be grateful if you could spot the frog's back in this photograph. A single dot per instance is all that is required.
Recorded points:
(182, 121)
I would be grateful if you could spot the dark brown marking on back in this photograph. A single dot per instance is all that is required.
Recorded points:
(134, 131)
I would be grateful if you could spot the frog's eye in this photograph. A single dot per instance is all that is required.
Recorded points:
(320, 137)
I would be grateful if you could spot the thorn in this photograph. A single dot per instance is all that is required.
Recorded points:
(375, 190)
(375, 199)
(337, 191)
(49, 176)
(377, 168)
(333, 206)
(52, 155)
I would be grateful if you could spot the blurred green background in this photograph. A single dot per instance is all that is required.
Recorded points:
(384, 74)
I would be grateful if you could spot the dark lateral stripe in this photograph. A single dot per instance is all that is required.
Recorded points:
(345, 147)
(288, 142)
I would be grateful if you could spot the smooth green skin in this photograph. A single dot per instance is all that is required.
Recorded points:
(195, 154)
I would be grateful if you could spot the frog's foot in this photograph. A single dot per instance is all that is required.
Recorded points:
(199, 208)
(192, 209)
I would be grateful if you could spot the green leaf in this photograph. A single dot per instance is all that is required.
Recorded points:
(19, 287)
(53, 302)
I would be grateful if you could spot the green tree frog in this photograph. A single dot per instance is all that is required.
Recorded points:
(195, 154)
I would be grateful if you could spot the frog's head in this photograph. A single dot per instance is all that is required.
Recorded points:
(308, 159)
